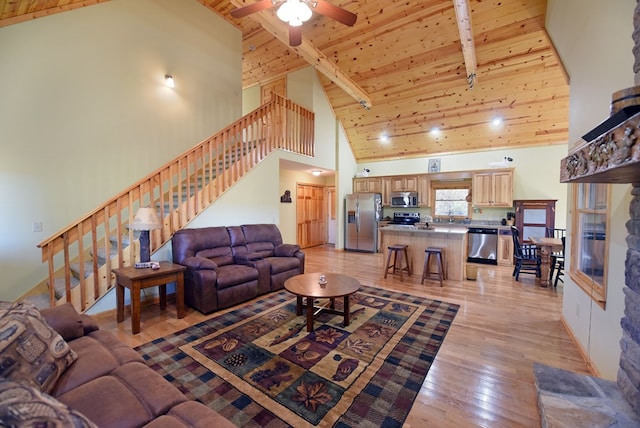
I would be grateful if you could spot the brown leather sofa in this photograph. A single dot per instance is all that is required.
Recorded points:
(110, 384)
(230, 265)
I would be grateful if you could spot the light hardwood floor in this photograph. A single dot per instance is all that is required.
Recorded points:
(483, 373)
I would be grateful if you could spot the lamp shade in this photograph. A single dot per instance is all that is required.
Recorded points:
(146, 219)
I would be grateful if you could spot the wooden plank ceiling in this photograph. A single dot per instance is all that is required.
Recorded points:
(405, 61)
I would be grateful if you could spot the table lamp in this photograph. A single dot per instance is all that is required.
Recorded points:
(145, 220)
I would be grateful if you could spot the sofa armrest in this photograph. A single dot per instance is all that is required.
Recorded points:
(199, 263)
(247, 257)
(65, 320)
(286, 250)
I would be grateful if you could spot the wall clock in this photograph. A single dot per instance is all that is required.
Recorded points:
(434, 165)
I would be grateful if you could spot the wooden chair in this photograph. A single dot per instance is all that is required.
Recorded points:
(557, 258)
(527, 257)
(559, 266)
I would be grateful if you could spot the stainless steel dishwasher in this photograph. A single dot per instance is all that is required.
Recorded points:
(482, 245)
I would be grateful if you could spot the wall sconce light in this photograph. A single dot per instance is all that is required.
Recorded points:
(145, 220)
(168, 80)
(316, 172)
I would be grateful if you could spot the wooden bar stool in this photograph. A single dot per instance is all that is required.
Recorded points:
(438, 254)
(397, 260)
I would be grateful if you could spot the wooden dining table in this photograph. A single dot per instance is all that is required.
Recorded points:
(547, 247)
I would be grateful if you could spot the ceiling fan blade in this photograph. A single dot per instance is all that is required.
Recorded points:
(341, 15)
(241, 12)
(295, 35)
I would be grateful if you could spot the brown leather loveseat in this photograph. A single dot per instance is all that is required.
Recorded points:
(230, 265)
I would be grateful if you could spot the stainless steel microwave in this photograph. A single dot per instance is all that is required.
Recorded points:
(404, 199)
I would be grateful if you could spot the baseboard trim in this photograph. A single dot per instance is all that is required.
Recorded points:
(585, 355)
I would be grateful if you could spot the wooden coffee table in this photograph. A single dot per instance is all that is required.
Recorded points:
(307, 287)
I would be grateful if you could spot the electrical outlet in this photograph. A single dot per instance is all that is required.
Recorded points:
(36, 226)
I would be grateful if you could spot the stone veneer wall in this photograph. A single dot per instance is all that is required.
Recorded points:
(629, 372)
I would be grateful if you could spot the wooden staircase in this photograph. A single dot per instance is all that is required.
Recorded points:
(80, 257)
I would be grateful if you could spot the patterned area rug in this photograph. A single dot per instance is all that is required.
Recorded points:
(258, 366)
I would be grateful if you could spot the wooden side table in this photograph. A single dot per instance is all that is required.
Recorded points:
(137, 279)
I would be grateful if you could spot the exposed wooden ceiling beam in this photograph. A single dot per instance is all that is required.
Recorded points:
(311, 55)
(463, 16)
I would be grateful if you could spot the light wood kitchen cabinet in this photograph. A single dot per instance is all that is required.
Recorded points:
(505, 247)
(493, 188)
(386, 192)
(424, 191)
(367, 184)
(404, 184)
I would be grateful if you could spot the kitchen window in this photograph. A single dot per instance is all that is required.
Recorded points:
(451, 200)
(589, 239)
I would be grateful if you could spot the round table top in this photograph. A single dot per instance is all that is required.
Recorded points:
(307, 285)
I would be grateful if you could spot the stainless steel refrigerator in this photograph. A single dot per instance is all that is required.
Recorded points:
(362, 214)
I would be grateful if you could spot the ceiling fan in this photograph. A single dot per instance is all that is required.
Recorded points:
(295, 12)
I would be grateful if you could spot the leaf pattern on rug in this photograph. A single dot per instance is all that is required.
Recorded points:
(303, 354)
(277, 316)
(357, 346)
(345, 368)
(293, 331)
(215, 343)
(374, 330)
(311, 395)
(226, 343)
(400, 307)
(272, 377)
(256, 329)
(373, 302)
(329, 335)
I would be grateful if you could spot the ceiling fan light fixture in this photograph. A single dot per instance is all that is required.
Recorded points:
(294, 12)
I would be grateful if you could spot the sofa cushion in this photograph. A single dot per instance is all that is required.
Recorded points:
(30, 349)
(283, 264)
(190, 414)
(68, 322)
(99, 353)
(65, 320)
(232, 275)
(131, 395)
(22, 405)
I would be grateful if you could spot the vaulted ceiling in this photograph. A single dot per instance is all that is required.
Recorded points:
(402, 70)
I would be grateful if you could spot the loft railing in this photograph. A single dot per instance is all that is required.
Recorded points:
(80, 256)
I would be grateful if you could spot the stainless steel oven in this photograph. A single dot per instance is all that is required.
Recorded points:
(482, 245)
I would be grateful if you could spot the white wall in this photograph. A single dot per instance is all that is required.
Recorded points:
(84, 111)
(593, 37)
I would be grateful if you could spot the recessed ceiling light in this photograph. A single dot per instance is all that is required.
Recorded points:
(435, 131)
(384, 138)
(316, 172)
(496, 122)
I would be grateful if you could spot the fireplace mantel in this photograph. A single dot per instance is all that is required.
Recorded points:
(611, 157)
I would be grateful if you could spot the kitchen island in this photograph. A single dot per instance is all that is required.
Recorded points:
(452, 239)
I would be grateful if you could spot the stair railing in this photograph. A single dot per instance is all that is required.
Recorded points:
(80, 256)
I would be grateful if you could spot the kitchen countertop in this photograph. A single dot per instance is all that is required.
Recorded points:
(442, 227)
(450, 229)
